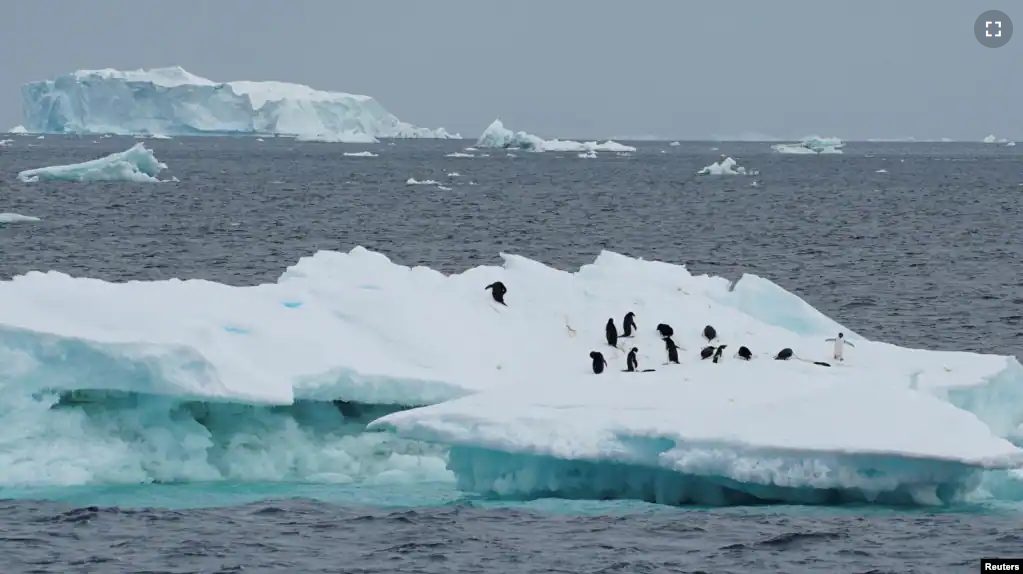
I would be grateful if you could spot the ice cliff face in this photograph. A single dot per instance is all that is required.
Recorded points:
(173, 101)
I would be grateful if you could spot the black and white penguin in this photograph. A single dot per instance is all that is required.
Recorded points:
(709, 333)
(631, 362)
(783, 355)
(744, 353)
(598, 362)
(497, 291)
(611, 332)
(717, 353)
(629, 324)
(672, 350)
(706, 352)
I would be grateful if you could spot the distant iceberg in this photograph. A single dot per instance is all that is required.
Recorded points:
(811, 145)
(136, 164)
(172, 101)
(17, 130)
(991, 139)
(498, 136)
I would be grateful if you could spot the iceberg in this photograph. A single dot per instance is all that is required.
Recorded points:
(498, 136)
(136, 164)
(811, 145)
(6, 143)
(16, 218)
(173, 101)
(278, 382)
(19, 129)
(727, 166)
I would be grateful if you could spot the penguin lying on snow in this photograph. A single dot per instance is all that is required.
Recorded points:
(497, 291)
(744, 353)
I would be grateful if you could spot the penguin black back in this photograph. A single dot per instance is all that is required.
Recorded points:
(706, 352)
(665, 330)
(745, 354)
(717, 353)
(631, 362)
(497, 291)
(611, 333)
(598, 362)
(629, 324)
(672, 350)
(709, 333)
(783, 355)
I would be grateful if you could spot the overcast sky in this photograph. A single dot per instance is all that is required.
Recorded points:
(692, 69)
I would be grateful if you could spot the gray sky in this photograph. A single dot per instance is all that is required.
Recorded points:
(692, 69)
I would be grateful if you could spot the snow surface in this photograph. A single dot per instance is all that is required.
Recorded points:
(16, 218)
(811, 145)
(727, 166)
(497, 136)
(136, 164)
(173, 101)
(357, 327)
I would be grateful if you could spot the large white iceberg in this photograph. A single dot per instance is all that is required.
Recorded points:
(172, 101)
(214, 381)
(726, 166)
(811, 145)
(136, 164)
(498, 136)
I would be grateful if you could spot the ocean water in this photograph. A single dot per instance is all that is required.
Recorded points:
(925, 254)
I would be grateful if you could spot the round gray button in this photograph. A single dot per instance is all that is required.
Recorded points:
(993, 29)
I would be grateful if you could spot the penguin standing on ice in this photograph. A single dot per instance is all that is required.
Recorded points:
(629, 324)
(598, 362)
(717, 353)
(665, 330)
(632, 363)
(840, 344)
(611, 332)
(497, 291)
(709, 333)
(744, 353)
(672, 350)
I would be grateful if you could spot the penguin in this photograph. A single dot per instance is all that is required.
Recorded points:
(598, 362)
(709, 333)
(822, 363)
(611, 332)
(717, 353)
(672, 350)
(665, 330)
(706, 352)
(744, 353)
(783, 355)
(497, 291)
(631, 362)
(629, 324)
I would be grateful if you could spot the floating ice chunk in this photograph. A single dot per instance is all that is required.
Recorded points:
(454, 174)
(881, 171)
(16, 218)
(712, 434)
(459, 154)
(136, 164)
(18, 130)
(414, 181)
(6, 143)
(588, 155)
(497, 136)
(675, 144)
(359, 154)
(1010, 144)
(727, 166)
(990, 139)
(443, 188)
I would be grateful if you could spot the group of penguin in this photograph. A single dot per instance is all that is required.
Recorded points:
(713, 352)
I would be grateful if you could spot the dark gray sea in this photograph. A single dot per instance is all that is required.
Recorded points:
(925, 253)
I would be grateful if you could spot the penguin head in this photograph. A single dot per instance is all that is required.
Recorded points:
(611, 321)
(594, 355)
(634, 350)
(630, 315)
(841, 335)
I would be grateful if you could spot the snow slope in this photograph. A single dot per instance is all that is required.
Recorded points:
(498, 136)
(199, 380)
(173, 101)
(136, 164)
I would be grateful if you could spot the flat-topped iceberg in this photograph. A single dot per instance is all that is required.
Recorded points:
(811, 145)
(173, 101)
(708, 433)
(498, 136)
(170, 383)
(136, 164)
